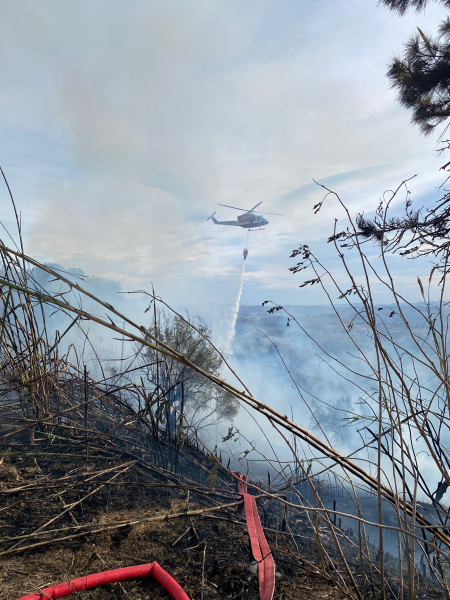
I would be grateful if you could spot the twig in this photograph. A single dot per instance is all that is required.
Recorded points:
(203, 570)
(66, 510)
(182, 536)
(167, 517)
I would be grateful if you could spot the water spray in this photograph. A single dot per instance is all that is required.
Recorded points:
(230, 336)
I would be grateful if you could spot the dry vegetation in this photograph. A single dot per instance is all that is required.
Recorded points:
(93, 478)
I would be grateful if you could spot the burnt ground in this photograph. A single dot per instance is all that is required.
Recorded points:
(138, 494)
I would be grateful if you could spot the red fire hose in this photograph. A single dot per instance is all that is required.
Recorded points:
(91, 581)
(260, 547)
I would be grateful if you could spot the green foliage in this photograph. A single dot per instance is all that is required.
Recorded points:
(401, 6)
(212, 477)
(231, 433)
(422, 77)
(188, 337)
(181, 434)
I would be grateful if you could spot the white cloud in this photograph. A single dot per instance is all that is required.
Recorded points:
(155, 111)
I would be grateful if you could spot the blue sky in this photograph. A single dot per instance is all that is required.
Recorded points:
(122, 124)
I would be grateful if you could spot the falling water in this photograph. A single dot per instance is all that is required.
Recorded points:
(229, 338)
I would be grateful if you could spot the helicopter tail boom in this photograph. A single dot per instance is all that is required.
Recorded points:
(230, 223)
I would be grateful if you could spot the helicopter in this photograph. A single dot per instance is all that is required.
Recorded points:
(249, 220)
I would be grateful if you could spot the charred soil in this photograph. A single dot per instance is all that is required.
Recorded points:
(36, 489)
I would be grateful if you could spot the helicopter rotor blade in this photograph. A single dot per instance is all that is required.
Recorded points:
(235, 208)
(256, 206)
(252, 210)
